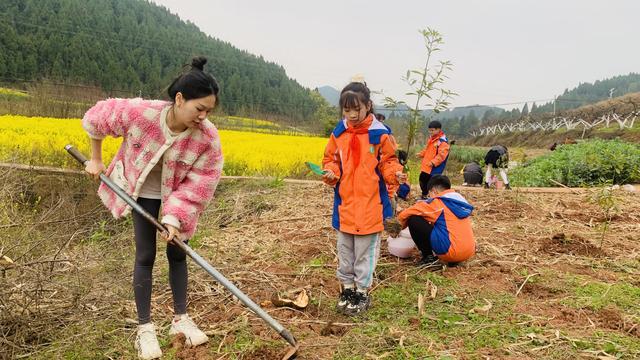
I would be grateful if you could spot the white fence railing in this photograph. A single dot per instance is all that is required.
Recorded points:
(622, 121)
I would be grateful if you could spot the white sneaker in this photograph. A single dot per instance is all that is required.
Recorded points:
(193, 335)
(147, 343)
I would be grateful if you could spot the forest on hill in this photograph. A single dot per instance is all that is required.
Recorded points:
(133, 47)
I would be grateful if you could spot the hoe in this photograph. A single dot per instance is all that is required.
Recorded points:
(291, 354)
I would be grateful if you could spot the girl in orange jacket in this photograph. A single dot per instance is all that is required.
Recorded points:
(359, 160)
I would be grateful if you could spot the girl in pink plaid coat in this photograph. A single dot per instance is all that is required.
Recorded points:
(170, 158)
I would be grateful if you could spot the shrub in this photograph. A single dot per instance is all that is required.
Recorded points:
(592, 162)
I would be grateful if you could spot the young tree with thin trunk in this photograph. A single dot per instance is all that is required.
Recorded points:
(426, 87)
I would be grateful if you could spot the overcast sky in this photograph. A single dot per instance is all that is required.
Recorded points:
(503, 51)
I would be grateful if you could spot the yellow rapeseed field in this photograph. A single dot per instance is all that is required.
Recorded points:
(254, 125)
(250, 122)
(269, 154)
(40, 141)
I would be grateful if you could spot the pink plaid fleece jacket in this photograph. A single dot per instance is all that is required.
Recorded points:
(191, 162)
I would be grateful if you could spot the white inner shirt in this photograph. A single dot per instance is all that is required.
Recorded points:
(152, 187)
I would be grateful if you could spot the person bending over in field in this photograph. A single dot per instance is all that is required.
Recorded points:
(171, 158)
(498, 157)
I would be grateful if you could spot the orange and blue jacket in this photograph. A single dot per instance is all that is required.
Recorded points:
(435, 154)
(361, 201)
(392, 188)
(452, 236)
(402, 190)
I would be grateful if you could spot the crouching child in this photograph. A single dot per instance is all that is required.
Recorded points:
(472, 173)
(441, 225)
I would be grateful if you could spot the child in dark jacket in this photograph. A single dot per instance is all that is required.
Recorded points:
(472, 173)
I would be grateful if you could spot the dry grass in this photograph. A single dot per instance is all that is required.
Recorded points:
(548, 295)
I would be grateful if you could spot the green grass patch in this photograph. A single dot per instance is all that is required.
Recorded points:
(319, 261)
(597, 295)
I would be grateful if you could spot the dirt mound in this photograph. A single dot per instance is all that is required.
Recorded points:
(265, 353)
(611, 318)
(540, 291)
(183, 352)
(571, 245)
(333, 329)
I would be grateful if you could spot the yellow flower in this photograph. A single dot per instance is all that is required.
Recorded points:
(41, 141)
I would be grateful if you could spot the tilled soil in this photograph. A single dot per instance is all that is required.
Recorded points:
(518, 233)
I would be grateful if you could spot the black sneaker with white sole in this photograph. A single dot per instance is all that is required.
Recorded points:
(345, 298)
(360, 303)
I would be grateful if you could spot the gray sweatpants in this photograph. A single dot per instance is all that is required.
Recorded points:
(357, 259)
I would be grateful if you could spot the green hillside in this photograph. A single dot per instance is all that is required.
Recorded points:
(133, 47)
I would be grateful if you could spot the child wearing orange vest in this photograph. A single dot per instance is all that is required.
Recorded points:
(359, 160)
(441, 225)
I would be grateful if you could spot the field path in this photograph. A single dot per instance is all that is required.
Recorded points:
(547, 190)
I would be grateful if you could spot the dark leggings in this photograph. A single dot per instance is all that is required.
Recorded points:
(424, 180)
(420, 230)
(145, 235)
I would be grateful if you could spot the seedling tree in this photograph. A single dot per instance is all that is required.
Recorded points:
(608, 201)
(426, 86)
